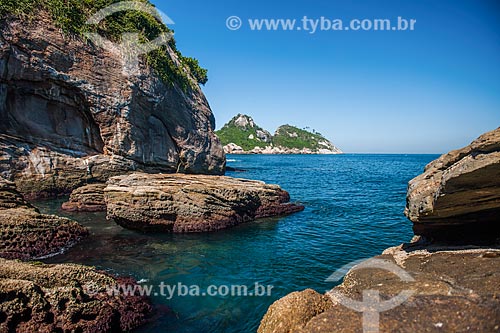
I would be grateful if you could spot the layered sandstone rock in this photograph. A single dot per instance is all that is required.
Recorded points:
(88, 198)
(65, 298)
(458, 195)
(191, 203)
(27, 234)
(70, 114)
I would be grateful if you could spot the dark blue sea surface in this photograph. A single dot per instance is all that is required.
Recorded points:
(354, 210)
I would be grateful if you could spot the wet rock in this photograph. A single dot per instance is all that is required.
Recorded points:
(88, 198)
(191, 203)
(65, 298)
(27, 234)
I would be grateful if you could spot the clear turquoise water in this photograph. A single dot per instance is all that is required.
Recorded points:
(354, 209)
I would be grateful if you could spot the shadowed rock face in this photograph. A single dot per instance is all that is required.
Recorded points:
(458, 195)
(27, 234)
(65, 298)
(191, 203)
(69, 114)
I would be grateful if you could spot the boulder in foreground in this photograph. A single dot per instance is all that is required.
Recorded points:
(65, 298)
(453, 291)
(191, 203)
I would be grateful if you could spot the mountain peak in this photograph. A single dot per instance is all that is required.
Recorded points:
(243, 121)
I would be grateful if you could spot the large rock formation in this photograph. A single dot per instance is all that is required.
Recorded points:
(191, 203)
(458, 195)
(66, 298)
(27, 234)
(453, 286)
(70, 114)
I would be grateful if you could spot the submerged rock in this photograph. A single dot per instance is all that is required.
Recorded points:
(70, 114)
(27, 234)
(458, 195)
(191, 203)
(65, 298)
(88, 198)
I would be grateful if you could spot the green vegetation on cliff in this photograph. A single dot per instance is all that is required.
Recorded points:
(293, 137)
(71, 17)
(242, 131)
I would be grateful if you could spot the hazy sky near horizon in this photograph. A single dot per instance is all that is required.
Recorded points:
(425, 91)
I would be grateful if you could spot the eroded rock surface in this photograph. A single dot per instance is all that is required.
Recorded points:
(191, 203)
(454, 291)
(88, 198)
(70, 115)
(65, 298)
(458, 195)
(27, 234)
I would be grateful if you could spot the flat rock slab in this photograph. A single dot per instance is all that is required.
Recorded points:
(191, 203)
(66, 298)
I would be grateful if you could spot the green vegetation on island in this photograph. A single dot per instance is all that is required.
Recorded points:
(293, 137)
(71, 16)
(243, 132)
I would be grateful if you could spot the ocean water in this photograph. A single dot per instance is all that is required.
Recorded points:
(354, 210)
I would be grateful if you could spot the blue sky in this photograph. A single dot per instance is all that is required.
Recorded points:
(424, 91)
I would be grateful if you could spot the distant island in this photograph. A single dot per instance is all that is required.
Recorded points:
(242, 136)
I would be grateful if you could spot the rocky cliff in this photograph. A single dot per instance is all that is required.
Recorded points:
(458, 195)
(70, 113)
(450, 272)
(241, 135)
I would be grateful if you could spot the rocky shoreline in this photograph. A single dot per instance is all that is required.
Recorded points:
(26, 234)
(270, 150)
(66, 298)
(143, 148)
(453, 261)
